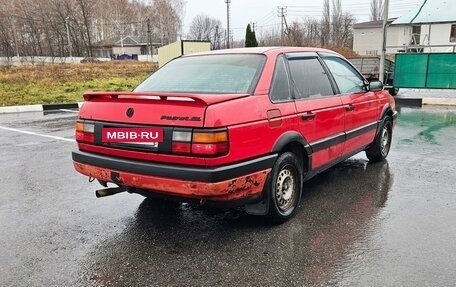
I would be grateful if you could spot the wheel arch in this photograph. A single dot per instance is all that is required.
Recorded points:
(386, 111)
(293, 141)
(290, 141)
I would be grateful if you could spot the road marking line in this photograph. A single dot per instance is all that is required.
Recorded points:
(69, 111)
(37, 134)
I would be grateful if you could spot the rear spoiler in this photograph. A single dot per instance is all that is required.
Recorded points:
(206, 99)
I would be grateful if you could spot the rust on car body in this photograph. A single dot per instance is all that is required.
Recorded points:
(250, 185)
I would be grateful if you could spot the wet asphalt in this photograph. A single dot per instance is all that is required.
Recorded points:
(359, 224)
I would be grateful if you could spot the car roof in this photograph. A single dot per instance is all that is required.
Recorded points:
(263, 50)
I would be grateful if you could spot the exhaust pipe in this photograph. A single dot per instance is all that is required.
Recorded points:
(109, 191)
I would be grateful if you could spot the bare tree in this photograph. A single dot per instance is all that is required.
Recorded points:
(312, 29)
(335, 26)
(376, 10)
(269, 37)
(85, 9)
(8, 39)
(205, 28)
(346, 32)
(336, 23)
(52, 27)
(116, 19)
(325, 24)
(167, 15)
(296, 34)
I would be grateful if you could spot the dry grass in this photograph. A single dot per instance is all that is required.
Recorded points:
(63, 83)
(344, 51)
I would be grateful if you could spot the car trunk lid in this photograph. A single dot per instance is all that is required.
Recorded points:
(147, 108)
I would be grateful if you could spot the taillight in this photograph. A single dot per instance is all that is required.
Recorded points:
(182, 141)
(85, 131)
(200, 142)
(212, 143)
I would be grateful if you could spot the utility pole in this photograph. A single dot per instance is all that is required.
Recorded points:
(282, 12)
(121, 30)
(162, 35)
(15, 42)
(68, 35)
(12, 22)
(381, 72)
(216, 38)
(149, 49)
(122, 43)
(253, 26)
(228, 37)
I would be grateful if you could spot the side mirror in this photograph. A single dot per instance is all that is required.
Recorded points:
(375, 86)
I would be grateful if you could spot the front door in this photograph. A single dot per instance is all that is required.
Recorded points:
(361, 107)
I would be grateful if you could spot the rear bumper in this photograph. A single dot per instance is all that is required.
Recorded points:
(238, 182)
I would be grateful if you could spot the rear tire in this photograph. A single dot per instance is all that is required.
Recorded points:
(382, 143)
(284, 188)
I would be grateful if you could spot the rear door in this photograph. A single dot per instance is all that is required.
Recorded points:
(320, 112)
(361, 107)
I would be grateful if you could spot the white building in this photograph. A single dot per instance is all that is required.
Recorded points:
(367, 37)
(431, 27)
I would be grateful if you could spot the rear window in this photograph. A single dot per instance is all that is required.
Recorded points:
(227, 74)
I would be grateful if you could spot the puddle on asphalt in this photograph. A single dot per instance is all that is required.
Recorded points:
(426, 124)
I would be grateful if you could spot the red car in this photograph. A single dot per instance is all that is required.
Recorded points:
(241, 127)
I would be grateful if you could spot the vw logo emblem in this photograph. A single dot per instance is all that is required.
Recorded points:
(130, 112)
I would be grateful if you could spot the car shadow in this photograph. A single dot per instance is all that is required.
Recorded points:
(181, 244)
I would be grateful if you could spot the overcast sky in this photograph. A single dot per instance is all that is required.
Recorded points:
(264, 12)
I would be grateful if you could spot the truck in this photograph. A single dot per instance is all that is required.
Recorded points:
(370, 66)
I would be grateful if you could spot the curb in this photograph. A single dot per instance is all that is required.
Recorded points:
(409, 102)
(419, 102)
(38, 108)
(439, 102)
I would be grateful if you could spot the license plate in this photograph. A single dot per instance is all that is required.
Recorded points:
(144, 136)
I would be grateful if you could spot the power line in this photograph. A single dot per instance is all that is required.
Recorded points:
(256, 26)
(269, 19)
(282, 13)
(271, 13)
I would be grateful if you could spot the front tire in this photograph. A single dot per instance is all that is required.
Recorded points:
(284, 188)
(382, 143)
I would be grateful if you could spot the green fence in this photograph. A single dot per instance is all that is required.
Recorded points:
(423, 70)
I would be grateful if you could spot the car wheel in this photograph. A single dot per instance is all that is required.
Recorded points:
(382, 143)
(284, 187)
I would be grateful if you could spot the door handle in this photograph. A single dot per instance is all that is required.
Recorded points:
(349, 108)
(308, 116)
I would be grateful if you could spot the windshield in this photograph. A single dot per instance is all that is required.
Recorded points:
(227, 74)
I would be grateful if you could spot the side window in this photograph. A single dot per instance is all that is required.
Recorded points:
(309, 77)
(280, 90)
(347, 79)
